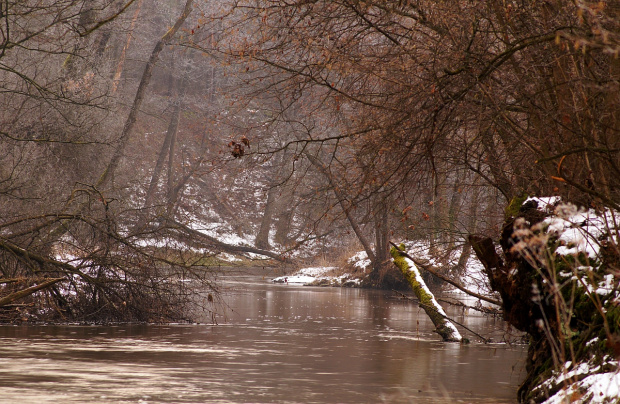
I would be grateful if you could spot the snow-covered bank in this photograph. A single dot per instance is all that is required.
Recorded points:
(559, 279)
(357, 267)
(319, 276)
(584, 383)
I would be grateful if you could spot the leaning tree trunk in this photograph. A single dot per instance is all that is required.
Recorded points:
(139, 97)
(167, 149)
(346, 208)
(119, 67)
(119, 151)
(262, 238)
(443, 326)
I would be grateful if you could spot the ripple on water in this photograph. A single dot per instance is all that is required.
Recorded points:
(286, 345)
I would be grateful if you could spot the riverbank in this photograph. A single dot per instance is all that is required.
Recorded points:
(356, 272)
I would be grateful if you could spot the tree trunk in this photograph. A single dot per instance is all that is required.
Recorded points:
(347, 209)
(262, 238)
(199, 239)
(137, 103)
(176, 190)
(118, 153)
(171, 154)
(223, 208)
(167, 146)
(435, 312)
(455, 208)
(381, 236)
(119, 67)
(284, 219)
(471, 229)
(28, 291)
(496, 164)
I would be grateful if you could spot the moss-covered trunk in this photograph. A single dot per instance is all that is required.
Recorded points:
(427, 301)
(564, 300)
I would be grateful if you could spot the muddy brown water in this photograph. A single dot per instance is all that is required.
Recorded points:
(275, 344)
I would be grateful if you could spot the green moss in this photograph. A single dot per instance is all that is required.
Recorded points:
(512, 210)
(401, 263)
(426, 299)
(68, 61)
(613, 318)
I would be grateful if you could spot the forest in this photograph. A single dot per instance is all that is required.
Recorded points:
(144, 145)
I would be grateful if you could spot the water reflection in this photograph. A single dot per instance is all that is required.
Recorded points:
(278, 343)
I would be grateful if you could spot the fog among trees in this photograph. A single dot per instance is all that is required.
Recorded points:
(146, 144)
(129, 126)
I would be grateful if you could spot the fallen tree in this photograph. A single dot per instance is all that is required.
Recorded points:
(427, 266)
(20, 294)
(192, 236)
(429, 304)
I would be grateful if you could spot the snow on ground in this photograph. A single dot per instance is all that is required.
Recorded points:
(316, 271)
(214, 226)
(305, 275)
(319, 276)
(221, 232)
(360, 260)
(577, 229)
(545, 204)
(585, 383)
(228, 257)
(474, 279)
(313, 275)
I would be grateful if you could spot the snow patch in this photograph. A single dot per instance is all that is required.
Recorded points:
(546, 203)
(414, 269)
(579, 230)
(305, 275)
(360, 260)
(598, 388)
(228, 257)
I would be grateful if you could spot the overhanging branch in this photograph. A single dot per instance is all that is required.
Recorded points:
(457, 285)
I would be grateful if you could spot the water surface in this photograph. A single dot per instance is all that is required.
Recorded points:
(275, 344)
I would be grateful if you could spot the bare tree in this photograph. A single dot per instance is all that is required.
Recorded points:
(65, 239)
(501, 91)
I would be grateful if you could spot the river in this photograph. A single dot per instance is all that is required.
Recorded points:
(274, 344)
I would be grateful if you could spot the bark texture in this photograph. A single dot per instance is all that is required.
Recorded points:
(434, 311)
(549, 296)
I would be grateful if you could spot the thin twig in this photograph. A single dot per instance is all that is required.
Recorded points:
(448, 280)
(485, 340)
